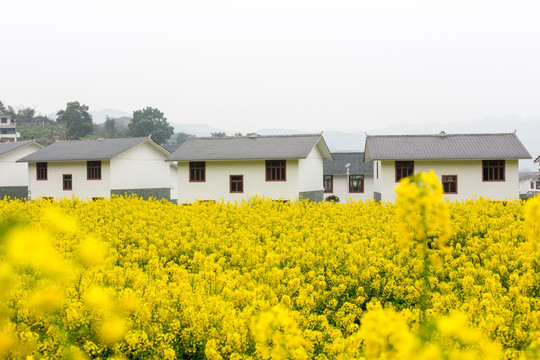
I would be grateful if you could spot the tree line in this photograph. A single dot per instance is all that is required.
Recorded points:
(75, 123)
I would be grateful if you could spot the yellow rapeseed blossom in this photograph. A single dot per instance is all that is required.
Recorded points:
(112, 330)
(258, 279)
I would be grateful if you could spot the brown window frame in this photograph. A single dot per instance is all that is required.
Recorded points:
(448, 183)
(493, 172)
(41, 171)
(403, 169)
(328, 183)
(67, 184)
(197, 171)
(233, 184)
(276, 170)
(351, 188)
(93, 170)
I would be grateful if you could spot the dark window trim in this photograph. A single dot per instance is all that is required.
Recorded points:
(489, 171)
(402, 170)
(328, 180)
(236, 182)
(361, 190)
(282, 168)
(42, 173)
(93, 170)
(197, 171)
(449, 182)
(67, 183)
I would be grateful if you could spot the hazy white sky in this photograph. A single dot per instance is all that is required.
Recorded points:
(300, 64)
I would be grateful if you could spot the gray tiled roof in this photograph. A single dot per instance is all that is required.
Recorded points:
(249, 148)
(171, 147)
(445, 146)
(84, 150)
(355, 158)
(533, 175)
(10, 146)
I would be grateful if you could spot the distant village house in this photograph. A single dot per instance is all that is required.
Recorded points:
(287, 167)
(468, 165)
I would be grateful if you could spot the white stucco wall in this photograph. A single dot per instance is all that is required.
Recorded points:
(142, 167)
(173, 183)
(13, 173)
(216, 187)
(81, 186)
(341, 189)
(310, 172)
(469, 179)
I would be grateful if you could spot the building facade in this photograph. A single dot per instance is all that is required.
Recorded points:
(287, 167)
(90, 169)
(14, 176)
(348, 177)
(468, 165)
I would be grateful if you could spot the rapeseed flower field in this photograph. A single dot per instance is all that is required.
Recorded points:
(127, 278)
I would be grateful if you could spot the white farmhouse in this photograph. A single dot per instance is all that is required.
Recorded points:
(529, 184)
(348, 176)
(468, 165)
(284, 167)
(14, 176)
(90, 169)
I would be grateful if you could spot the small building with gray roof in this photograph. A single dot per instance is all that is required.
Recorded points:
(90, 169)
(14, 179)
(285, 167)
(348, 176)
(468, 165)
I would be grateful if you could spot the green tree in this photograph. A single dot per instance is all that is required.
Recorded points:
(150, 122)
(76, 119)
(218, 134)
(181, 138)
(25, 115)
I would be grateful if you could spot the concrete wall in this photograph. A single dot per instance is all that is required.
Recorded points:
(469, 179)
(341, 189)
(157, 193)
(14, 192)
(81, 187)
(216, 186)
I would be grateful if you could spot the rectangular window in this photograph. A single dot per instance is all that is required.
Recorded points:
(377, 168)
(493, 170)
(538, 185)
(449, 184)
(275, 170)
(197, 171)
(237, 183)
(404, 169)
(66, 182)
(328, 183)
(93, 170)
(41, 171)
(356, 183)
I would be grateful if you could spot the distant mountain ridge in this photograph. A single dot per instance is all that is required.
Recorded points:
(528, 131)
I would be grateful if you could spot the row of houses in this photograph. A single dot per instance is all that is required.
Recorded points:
(284, 167)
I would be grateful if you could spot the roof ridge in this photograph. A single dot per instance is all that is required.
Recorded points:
(101, 139)
(256, 136)
(440, 135)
